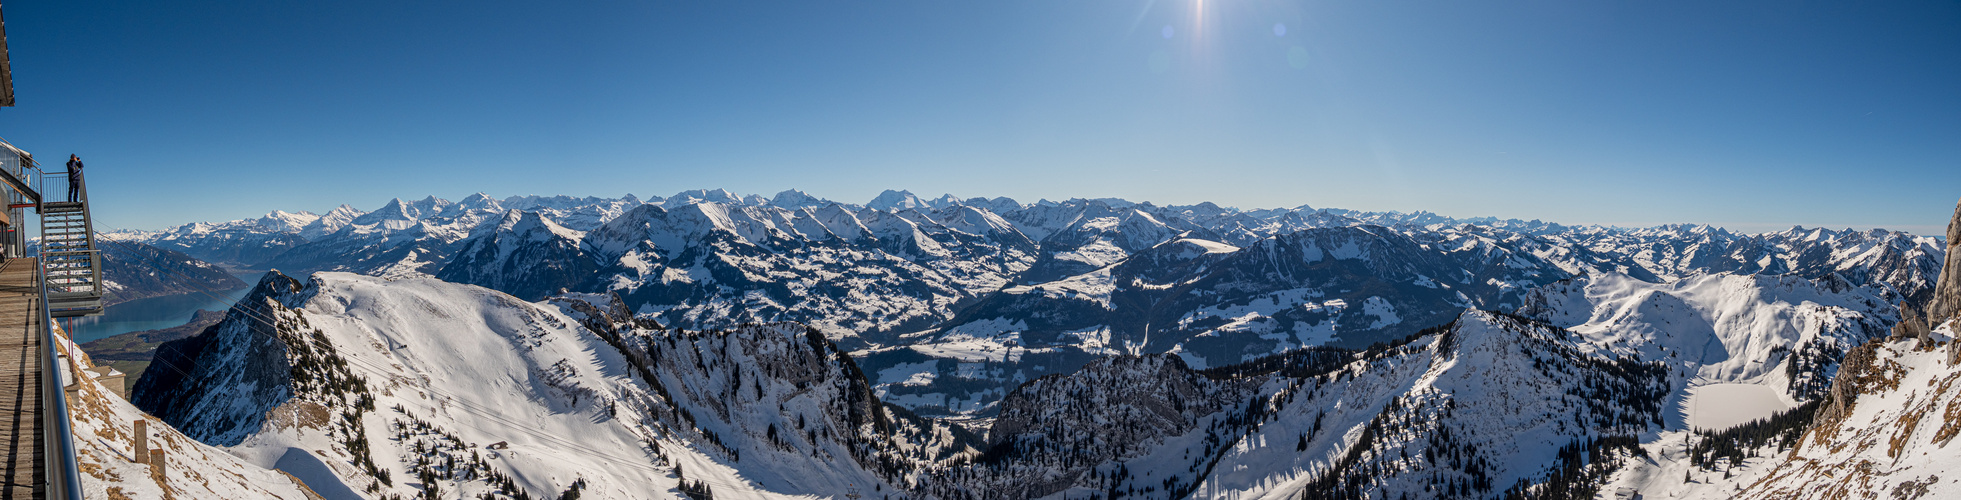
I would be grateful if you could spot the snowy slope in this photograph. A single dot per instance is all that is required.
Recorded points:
(1893, 435)
(1483, 406)
(779, 403)
(358, 380)
(1885, 431)
(1782, 332)
(104, 427)
(1477, 407)
(376, 388)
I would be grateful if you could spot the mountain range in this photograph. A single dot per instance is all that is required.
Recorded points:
(954, 301)
(712, 344)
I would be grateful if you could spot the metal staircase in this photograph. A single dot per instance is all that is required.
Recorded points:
(73, 264)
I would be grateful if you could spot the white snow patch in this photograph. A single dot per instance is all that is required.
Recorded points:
(921, 373)
(1722, 406)
(1384, 312)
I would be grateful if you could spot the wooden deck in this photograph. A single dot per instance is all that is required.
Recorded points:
(21, 438)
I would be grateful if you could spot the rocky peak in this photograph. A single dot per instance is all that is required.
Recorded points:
(245, 357)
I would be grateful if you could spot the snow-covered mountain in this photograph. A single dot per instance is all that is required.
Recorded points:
(956, 301)
(1885, 428)
(728, 345)
(234, 242)
(374, 387)
(104, 426)
(1783, 333)
(133, 270)
(397, 240)
(525, 254)
(462, 392)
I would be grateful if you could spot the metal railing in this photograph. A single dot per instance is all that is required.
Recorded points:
(21, 165)
(53, 186)
(69, 257)
(64, 481)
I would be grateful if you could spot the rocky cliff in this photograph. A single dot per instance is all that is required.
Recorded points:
(1947, 293)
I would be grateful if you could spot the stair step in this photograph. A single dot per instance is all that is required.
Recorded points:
(70, 261)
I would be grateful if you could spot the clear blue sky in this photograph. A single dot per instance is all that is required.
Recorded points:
(1752, 115)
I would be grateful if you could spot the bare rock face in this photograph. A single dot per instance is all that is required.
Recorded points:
(1947, 292)
(1912, 325)
(1855, 374)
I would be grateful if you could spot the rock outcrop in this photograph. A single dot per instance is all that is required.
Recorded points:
(1947, 292)
(229, 375)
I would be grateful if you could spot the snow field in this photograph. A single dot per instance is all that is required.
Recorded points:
(1722, 406)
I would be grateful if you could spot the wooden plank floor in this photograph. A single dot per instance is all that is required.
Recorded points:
(21, 463)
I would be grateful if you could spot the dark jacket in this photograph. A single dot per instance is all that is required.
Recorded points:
(74, 169)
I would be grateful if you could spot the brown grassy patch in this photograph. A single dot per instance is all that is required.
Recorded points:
(300, 414)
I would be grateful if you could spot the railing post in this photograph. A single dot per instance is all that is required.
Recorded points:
(141, 441)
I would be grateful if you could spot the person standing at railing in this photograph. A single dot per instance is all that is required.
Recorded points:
(74, 178)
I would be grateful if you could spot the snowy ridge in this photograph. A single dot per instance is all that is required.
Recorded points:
(856, 277)
(783, 405)
(393, 388)
(378, 388)
(1483, 406)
